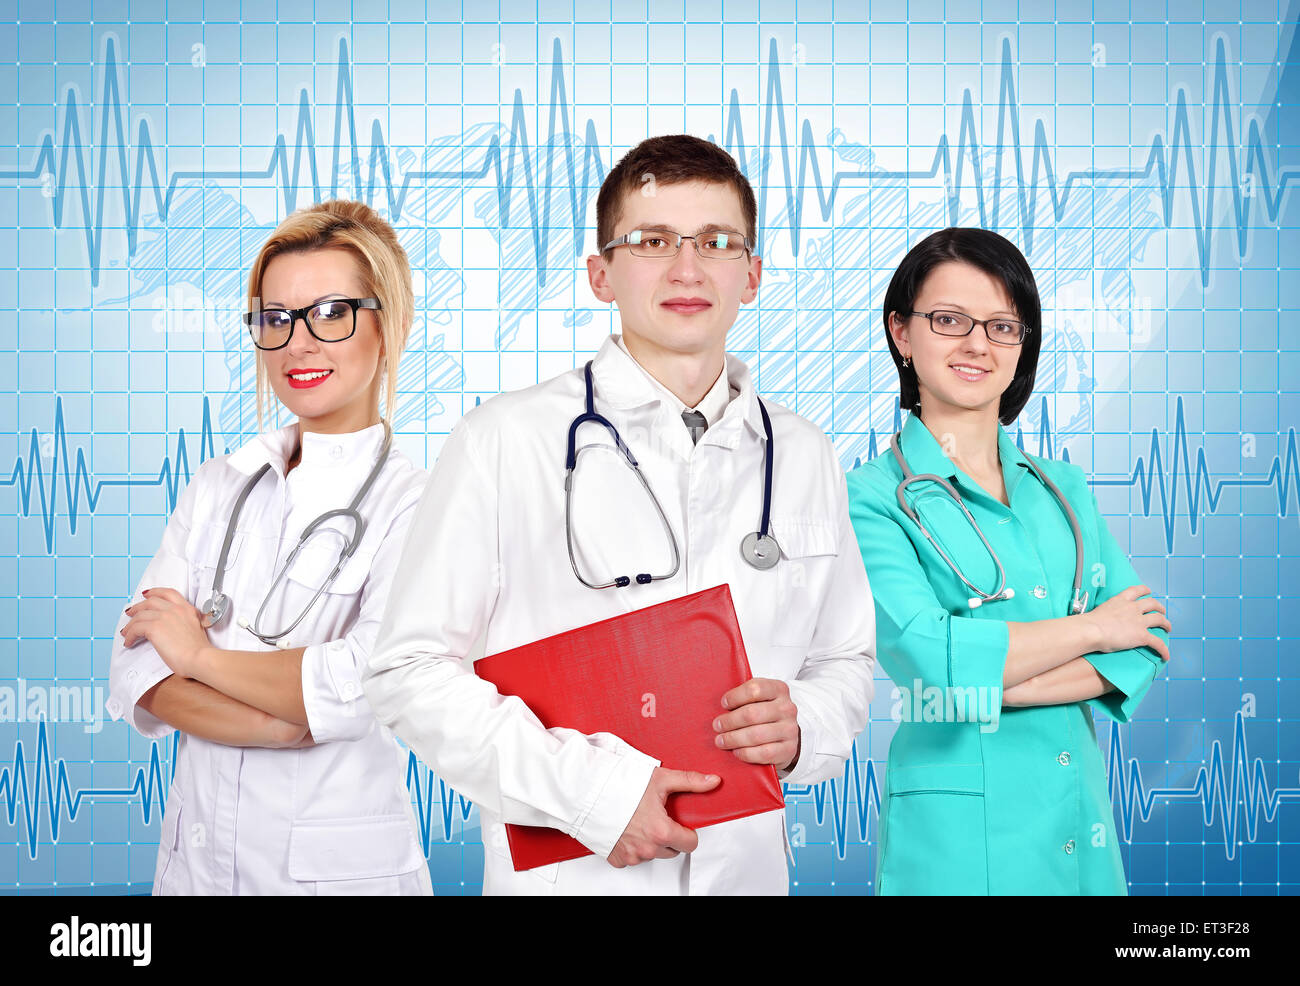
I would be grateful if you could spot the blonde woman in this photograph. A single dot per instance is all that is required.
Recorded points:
(252, 622)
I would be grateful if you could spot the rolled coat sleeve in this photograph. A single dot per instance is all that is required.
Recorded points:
(919, 643)
(490, 748)
(1133, 670)
(833, 688)
(134, 670)
(332, 691)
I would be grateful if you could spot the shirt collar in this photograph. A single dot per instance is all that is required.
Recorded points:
(924, 455)
(625, 384)
(1010, 455)
(318, 450)
(711, 405)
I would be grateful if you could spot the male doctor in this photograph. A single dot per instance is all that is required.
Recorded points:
(487, 559)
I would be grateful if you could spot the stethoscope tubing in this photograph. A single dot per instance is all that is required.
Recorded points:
(218, 602)
(767, 546)
(1078, 599)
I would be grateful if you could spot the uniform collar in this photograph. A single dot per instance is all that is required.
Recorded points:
(711, 405)
(1010, 455)
(623, 383)
(924, 454)
(318, 450)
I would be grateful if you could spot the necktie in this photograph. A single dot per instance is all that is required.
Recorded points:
(695, 424)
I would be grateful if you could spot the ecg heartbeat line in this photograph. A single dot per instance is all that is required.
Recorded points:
(846, 802)
(149, 784)
(849, 801)
(859, 786)
(1245, 786)
(70, 477)
(65, 166)
(1164, 163)
(1201, 493)
(286, 165)
(1239, 794)
(448, 800)
(860, 780)
(29, 474)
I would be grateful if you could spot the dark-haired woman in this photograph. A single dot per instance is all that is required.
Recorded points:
(997, 635)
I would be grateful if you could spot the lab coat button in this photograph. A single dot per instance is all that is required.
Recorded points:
(1040, 591)
(1069, 847)
(113, 707)
(132, 675)
(1063, 758)
(350, 689)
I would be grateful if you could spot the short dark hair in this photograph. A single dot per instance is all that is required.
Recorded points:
(670, 160)
(996, 256)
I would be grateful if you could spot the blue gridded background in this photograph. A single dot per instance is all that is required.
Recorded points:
(1145, 159)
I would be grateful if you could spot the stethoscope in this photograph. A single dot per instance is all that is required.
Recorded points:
(758, 548)
(218, 604)
(1078, 598)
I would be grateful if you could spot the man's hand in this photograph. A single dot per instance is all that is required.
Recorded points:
(651, 834)
(764, 728)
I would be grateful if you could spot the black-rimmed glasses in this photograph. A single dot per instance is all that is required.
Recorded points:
(329, 321)
(664, 244)
(1003, 331)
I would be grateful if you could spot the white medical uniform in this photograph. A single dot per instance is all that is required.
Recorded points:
(486, 555)
(331, 818)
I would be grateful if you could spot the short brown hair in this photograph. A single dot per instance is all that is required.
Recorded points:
(670, 160)
(343, 224)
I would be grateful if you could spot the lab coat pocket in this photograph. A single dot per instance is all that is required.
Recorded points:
(794, 584)
(204, 551)
(933, 838)
(317, 559)
(353, 855)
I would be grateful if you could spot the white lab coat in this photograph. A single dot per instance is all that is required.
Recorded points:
(486, 555)
(331, 818)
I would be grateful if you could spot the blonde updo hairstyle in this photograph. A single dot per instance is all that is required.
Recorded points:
(343, 224)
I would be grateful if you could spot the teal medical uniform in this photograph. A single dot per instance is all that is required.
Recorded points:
(979, 799)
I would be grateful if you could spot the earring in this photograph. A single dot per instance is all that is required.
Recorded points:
(905, 361)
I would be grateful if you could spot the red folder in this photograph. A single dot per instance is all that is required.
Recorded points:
(655, 678)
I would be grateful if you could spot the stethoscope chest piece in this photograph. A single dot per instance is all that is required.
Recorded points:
(215, 609)
(218, 604)
(760, 550)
